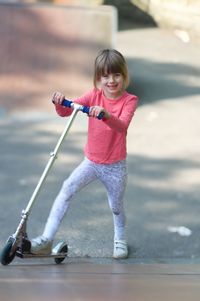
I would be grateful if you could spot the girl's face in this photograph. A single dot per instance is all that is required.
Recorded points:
(112, 85)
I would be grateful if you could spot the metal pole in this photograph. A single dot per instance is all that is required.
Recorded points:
(50, 162)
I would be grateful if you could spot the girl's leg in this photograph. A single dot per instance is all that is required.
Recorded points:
(114, 177)
(79, 178)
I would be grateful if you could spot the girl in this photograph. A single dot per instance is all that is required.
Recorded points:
(105, 150)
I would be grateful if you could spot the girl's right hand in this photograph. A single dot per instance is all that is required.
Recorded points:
(58, 98)
(95, 111)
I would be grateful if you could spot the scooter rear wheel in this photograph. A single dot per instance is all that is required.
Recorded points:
(64, 249)
(7, 255)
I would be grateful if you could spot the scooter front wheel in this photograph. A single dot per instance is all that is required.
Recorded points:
(7, 254)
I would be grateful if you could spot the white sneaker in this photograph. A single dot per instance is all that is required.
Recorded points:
(41, 245)
(120, 249)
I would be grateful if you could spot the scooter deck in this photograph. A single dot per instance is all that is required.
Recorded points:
(59, 251)
(51, 255)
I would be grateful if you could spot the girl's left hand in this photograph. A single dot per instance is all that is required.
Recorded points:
(96, 110)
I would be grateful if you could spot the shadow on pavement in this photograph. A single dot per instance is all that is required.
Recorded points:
(152, 203)
(157, 81)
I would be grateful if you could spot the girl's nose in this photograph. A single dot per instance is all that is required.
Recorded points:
(111, 78)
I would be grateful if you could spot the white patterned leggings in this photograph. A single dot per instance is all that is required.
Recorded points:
(114, 178)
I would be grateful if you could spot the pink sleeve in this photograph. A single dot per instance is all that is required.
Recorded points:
(86, 99)
(63, 111)
(121, 124)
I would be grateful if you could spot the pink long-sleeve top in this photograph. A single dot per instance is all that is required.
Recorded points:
(106, 140)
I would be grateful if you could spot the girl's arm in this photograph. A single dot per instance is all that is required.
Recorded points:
(57, 99)
(62, 111)
(120, 124)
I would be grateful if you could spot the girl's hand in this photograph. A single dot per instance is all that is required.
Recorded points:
(58, 98)
(96, 110)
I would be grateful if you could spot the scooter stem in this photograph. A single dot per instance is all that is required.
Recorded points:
(50, 162)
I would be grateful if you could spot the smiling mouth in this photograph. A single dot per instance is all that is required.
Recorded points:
(112, 87)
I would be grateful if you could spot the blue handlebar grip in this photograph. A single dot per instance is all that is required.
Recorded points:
(87, 111)
(100, 116)
(67, 103)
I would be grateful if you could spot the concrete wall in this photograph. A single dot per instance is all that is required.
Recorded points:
(46, 48)
(179, 14)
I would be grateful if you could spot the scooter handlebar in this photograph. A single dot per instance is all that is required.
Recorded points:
(84, 109)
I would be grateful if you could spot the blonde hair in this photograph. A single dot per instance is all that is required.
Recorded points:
(110, 61)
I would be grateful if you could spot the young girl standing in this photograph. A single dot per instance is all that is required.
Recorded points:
(105, 150)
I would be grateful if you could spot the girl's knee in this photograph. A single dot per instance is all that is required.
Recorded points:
(69, 188)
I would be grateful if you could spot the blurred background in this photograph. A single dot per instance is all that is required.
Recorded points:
(41, 39)
(50, 46)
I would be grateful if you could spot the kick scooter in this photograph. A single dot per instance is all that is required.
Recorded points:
(18, 244)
